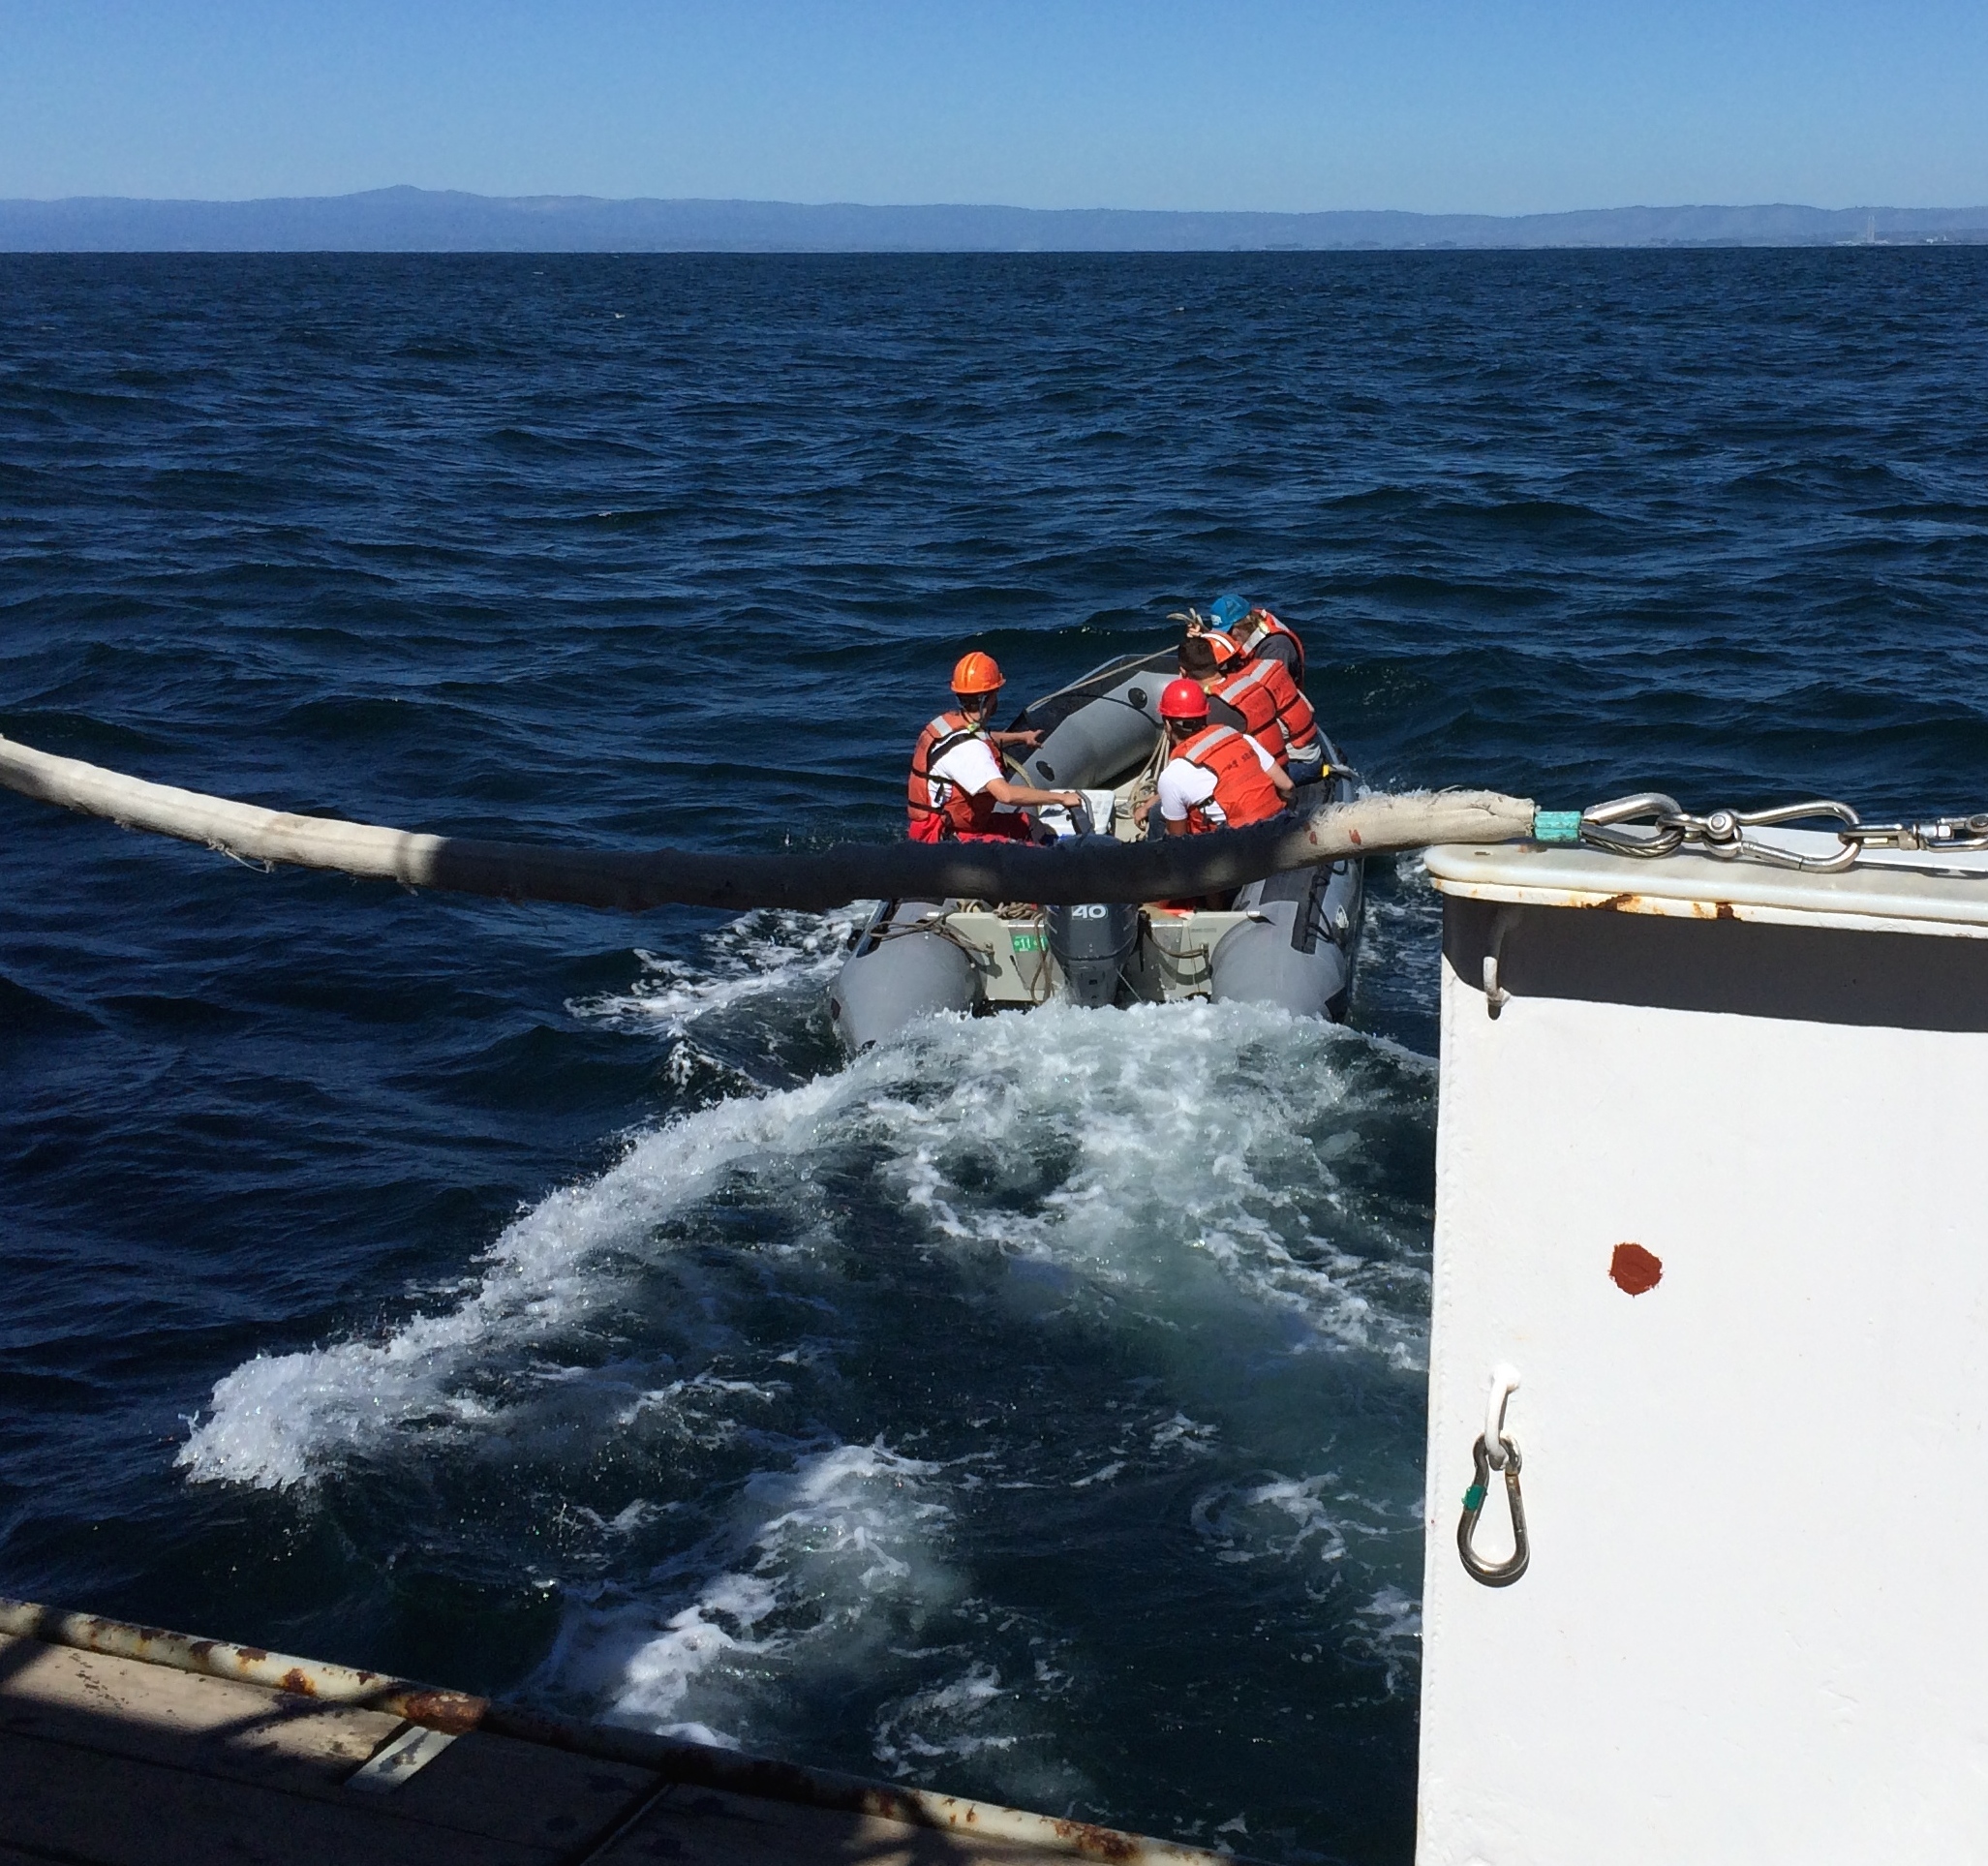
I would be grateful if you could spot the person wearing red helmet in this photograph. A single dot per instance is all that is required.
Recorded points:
(1260, 697)
(958, 790)
(1216, 777)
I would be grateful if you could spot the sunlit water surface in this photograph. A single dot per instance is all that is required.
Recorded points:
(535, 1300)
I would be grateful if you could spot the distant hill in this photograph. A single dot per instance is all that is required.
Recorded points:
(417, 220)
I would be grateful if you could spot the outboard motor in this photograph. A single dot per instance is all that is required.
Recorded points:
(1092, 944)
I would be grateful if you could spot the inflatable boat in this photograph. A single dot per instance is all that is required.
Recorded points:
(1288, 941)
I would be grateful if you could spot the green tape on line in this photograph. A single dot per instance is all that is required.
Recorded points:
(1556, 826)
(1474, 1497)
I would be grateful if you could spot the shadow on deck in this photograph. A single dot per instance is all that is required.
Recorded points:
(112, 1762)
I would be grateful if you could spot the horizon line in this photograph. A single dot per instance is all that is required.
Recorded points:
(990, 207)
(403, 218)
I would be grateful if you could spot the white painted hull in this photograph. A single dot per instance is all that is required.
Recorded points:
(1707, 1181)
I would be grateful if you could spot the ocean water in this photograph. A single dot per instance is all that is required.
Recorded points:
(535, 1300)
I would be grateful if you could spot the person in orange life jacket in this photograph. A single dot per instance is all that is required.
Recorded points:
(1263, 693)
(958, 790)
(1263, 637)
(1211, 662)
(1203, 659)
(1216, 777)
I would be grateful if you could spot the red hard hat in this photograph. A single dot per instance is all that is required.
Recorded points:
(976, 673)
(1183, 699)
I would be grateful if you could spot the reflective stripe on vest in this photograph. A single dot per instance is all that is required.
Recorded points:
(1272, 627)
(1244, 790)
(1297, 726)
(918, 799)
(1249, 694)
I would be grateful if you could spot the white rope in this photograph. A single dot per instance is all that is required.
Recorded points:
(1504, 1383)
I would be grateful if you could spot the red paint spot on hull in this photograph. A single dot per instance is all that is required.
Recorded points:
(1634, 1270)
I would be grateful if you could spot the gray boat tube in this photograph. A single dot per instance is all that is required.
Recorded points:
(1105, 739)
(1296, 949)
(897, 974)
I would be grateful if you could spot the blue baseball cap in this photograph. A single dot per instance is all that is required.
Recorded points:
(1225, 612)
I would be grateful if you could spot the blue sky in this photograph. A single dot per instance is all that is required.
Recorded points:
(1432, 105)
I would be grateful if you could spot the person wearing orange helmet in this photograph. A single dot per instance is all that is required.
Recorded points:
(1202, 627)
(958, 789)
(1216, 777)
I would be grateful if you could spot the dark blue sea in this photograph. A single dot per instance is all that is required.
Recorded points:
(532, 1299)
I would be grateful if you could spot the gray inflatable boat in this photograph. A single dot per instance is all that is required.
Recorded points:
(1289, 941)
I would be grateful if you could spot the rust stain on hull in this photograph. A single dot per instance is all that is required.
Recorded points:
(1670, 907)
(1097, 1843)
(453, 1713)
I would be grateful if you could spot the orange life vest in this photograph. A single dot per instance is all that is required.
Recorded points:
(1272, 627)
(1278, 716)
(1244, 789)
(1246, 692)
(939, 810)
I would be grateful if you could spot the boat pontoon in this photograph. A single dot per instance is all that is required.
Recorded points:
(1288, 941)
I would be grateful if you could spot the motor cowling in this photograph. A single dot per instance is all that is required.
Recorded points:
(1092, 943)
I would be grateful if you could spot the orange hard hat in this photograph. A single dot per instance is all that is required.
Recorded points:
(1183, 699)
(976, 673)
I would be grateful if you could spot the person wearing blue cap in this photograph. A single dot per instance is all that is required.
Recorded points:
(1225, 612)
(1259, 634)
(1253, 633)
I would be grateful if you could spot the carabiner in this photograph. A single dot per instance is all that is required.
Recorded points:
(1493, 1573)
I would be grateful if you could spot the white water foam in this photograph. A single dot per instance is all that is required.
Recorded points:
(280, 1420)
(1182, 1147)
(1281, 1519)
(969, 1715)
(760, 955)
(1152, 1169)
(1401, 942)
(819, 1566)
(1192, 1131)
(1392, 1636)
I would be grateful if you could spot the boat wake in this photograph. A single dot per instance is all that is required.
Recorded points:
(831, 1393)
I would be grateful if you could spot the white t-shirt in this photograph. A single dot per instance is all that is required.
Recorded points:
(971, 766)
(1183, 785)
